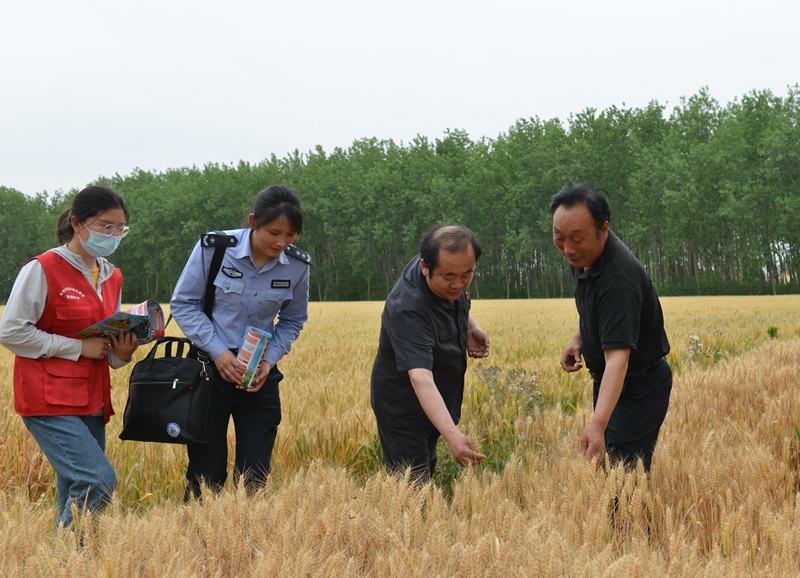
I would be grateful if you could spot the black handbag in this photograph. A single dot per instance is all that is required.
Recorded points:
(168, 396)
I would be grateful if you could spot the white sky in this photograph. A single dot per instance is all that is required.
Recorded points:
(91, 88)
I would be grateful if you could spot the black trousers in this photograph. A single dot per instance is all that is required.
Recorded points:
(634, 425)
(409, 447)
(255, 419)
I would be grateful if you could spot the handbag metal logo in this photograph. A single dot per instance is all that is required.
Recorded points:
(173, 429)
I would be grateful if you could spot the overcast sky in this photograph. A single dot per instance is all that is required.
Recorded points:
(91, 88)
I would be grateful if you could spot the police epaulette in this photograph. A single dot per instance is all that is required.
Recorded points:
(293, 251)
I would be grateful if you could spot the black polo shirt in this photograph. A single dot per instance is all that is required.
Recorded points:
(619, 308)
(418, 331)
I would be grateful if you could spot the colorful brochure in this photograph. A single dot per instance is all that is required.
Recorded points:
(146, 320)
(251, 352)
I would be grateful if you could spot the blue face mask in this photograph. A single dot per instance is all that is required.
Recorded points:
(100, 245)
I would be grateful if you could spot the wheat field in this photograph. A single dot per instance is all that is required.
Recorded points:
(721, 500)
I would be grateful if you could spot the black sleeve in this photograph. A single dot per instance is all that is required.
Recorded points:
(619, 313)
(413, 338)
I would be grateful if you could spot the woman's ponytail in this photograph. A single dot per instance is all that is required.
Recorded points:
(64, 231)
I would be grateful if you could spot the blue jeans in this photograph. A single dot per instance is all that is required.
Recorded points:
(75, 447)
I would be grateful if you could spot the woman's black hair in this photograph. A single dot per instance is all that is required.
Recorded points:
(451, 238)
(89, 203)
(276, 201)
(576, 194)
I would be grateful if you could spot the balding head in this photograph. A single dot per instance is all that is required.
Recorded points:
(450, 238)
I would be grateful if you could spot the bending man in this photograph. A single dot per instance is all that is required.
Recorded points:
(427, 331)
(620, 333)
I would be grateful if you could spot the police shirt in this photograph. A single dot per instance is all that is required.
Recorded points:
(419, 331)
(619, 309)
(244, 295)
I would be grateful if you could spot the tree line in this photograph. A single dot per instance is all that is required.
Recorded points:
(706, 195)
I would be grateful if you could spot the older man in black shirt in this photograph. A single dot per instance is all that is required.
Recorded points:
(427, 331)
(620, 333)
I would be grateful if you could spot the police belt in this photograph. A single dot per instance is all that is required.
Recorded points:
(598, 376)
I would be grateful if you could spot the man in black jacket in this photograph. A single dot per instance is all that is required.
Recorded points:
(620, 333)
(427, 331)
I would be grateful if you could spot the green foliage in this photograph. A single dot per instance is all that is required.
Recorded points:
(367, 459)
(29, 229)
(772, 331)
(707, 197)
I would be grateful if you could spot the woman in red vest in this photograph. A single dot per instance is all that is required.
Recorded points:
(61, 382)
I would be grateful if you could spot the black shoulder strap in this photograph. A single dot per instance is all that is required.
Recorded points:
(293, 251)
(220, 242)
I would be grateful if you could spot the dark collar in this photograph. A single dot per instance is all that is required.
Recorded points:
(608, 254)
(443, 303)
(422, 285)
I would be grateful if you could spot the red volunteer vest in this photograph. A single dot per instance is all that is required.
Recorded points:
(58, 386)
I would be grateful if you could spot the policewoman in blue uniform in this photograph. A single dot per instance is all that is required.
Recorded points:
(262, 276)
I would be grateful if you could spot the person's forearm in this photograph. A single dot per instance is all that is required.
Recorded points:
(432, 403)
(472, 323)
(610, 386)
(576, 338)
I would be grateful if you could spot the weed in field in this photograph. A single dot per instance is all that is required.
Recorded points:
(772, 331)
(704, 354)
(517, 388)
(507, 401)
(447, 471)
(695, 348)
(367, 459)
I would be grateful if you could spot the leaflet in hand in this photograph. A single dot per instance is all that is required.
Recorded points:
(251, 352)
(146, 320)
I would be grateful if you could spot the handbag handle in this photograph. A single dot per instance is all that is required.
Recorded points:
(181, 343)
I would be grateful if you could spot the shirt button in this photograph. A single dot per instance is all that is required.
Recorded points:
(254, 294)
(249, 316)
(227, 286)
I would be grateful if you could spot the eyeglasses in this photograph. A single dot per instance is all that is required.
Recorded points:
(112, 231)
